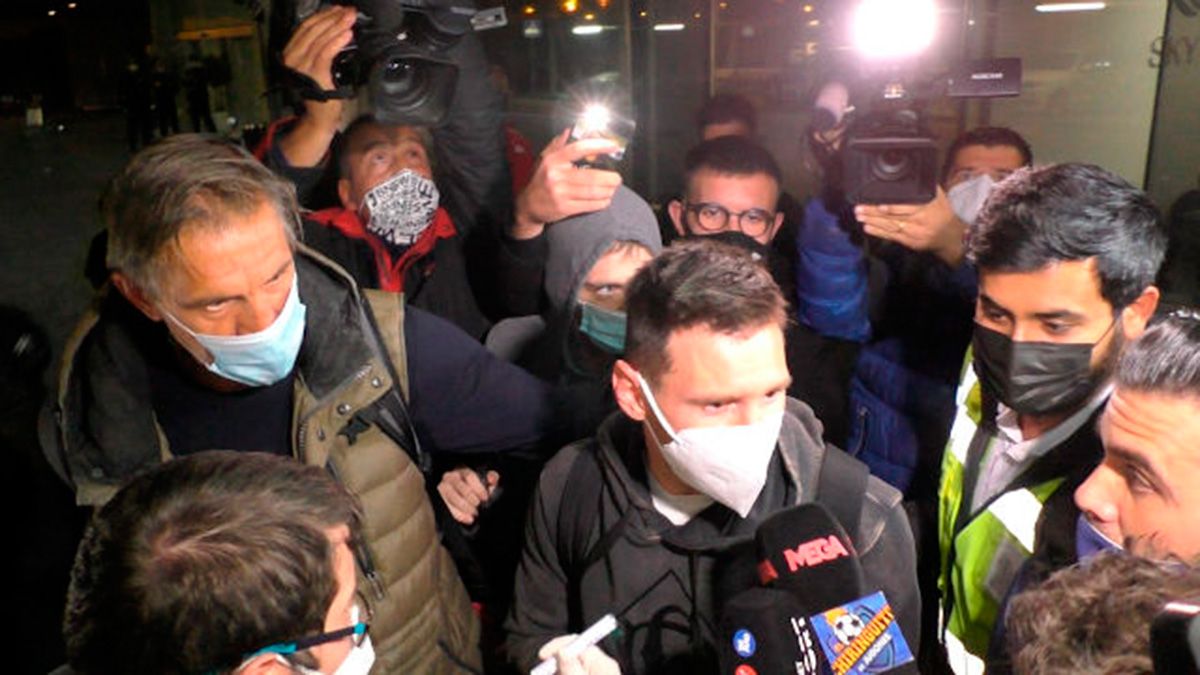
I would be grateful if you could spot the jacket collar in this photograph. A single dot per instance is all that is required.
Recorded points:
(104, 384)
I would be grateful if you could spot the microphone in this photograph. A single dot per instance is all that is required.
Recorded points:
(766, 630)
(816, 595)
(833, 100)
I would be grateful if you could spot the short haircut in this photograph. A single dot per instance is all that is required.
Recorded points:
(730, 156)
(203, 560)
(1165, 359)
(725, 109)
(1094, 618)
(346, 138)
(1072, 212)
(989, 137)
(184, 181)
(696, 282)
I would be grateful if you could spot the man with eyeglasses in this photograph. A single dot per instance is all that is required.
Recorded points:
(221, 562)
(732, 191)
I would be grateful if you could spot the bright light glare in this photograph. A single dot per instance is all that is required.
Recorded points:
(595, 117)
(894, 28)
(590, 29)
(668, 26)
(1070, 7)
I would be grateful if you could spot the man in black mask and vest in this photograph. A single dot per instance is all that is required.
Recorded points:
(1067, 255)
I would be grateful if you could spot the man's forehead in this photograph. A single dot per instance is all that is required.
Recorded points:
(709, 185)
(1000, 156)
(1061, 286)
(1155, 427)
(373, 133)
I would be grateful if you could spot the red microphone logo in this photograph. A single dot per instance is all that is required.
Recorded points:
(816, 552)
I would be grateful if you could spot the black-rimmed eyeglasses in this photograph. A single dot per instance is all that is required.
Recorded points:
(715, 218)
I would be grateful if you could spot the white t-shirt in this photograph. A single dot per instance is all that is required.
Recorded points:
(678, 509)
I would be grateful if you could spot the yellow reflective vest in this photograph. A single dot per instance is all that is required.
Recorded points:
(981, 552)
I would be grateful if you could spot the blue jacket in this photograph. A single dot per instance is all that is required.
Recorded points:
(913, 315)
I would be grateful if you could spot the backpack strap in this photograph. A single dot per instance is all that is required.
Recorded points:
(842, 488)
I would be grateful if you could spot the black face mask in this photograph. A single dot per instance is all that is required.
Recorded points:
(1035, 378)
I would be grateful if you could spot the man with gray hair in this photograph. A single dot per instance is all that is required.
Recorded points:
(1145, 496)
(225, 332)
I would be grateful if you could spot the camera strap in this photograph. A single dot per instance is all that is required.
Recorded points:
(308, 89)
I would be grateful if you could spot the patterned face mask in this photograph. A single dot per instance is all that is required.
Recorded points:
(399, 209)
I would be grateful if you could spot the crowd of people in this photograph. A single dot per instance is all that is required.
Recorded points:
(346, 403)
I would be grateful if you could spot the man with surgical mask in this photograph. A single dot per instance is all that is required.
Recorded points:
(220, 330)
(1067, 255)
(654, 517)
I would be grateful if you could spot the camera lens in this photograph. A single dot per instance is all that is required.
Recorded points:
(892, 164)
(402, 75)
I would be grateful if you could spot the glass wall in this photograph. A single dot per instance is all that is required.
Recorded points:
(1115, 83)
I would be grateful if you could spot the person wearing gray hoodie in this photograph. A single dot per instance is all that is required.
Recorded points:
(581, 329)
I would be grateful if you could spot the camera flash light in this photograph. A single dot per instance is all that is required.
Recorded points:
(595, 118)
(888, 29)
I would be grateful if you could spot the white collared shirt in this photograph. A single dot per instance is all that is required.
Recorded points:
(1010, 453)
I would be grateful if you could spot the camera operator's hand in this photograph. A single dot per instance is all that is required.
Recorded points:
(310, 52)
(929, 227)
(464, 492)
(559, 189)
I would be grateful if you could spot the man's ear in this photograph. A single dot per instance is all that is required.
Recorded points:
(775, 228)
(627, 392)
(343, 190)
(136, 296)
(675, 210)
(1135, 317)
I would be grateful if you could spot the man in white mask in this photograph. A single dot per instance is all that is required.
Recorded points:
(975, 161)
(654, 517)
(222, 562)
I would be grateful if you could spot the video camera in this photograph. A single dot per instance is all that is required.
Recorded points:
(887, 155)
(398, 55)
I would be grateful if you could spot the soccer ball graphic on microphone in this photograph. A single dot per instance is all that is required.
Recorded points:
(846, 627)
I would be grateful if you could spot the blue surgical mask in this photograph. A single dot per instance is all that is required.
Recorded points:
(1089, 541)
(604, 327)
(262, 358)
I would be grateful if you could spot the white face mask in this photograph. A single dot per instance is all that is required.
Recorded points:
(967, 198)
(399, 209)
(728, 463)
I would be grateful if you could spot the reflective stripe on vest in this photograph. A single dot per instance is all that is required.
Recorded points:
(980, 561)
(1018, 512)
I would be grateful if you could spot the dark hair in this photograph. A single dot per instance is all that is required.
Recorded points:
(696, 282)
(730, 156)
(727, 108)
(1072, 212)
(1166, 358)
(988, 137)
(1095, 618)
(202, 560)
(341, 148)
(185, 180)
